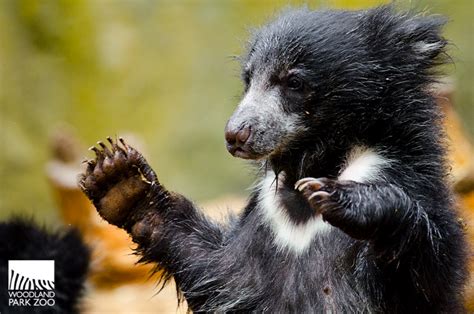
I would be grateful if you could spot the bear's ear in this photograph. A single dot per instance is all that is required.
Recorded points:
(422, 34)
(412, 35)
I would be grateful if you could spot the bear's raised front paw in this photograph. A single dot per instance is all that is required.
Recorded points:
(116, 180)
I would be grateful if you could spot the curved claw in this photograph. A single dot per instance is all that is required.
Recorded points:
(115, 147)
(97, 152)
(105, 149)
(90, 163)
(125, 147)
(110, 140)
(81, 185)
(319, 196)
(123, 143)
(301, 184)
(114, 144)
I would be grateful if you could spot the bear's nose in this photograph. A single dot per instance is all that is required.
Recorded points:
(236, 138)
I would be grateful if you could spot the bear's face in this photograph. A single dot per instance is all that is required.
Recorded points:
(286, 74)
(267, 116)
(315, 77)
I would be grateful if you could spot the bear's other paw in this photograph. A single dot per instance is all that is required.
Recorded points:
(318, 192)
(329, 198)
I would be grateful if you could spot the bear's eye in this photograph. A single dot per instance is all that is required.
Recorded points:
(295, 83)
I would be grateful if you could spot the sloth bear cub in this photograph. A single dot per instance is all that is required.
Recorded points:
(353, 211)
(23, 239)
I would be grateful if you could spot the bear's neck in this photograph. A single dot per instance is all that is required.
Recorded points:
(297, 164)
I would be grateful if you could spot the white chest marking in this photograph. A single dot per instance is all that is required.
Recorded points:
(296, 237)
(363, 164)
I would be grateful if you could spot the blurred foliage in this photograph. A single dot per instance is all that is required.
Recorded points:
(160, 69)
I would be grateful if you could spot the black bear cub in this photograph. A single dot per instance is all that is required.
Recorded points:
(353, 211)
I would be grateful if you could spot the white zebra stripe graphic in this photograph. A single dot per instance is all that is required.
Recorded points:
(20, 282)
(30, 275)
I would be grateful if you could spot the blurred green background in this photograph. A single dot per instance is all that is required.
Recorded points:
(160, 69)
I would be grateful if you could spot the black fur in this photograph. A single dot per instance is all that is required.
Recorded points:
(346, 78)
(22, 239)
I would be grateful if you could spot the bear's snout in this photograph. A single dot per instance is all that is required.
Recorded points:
(236, 139)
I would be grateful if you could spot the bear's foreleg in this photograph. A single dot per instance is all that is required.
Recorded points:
(367, 211)
(166, 226)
